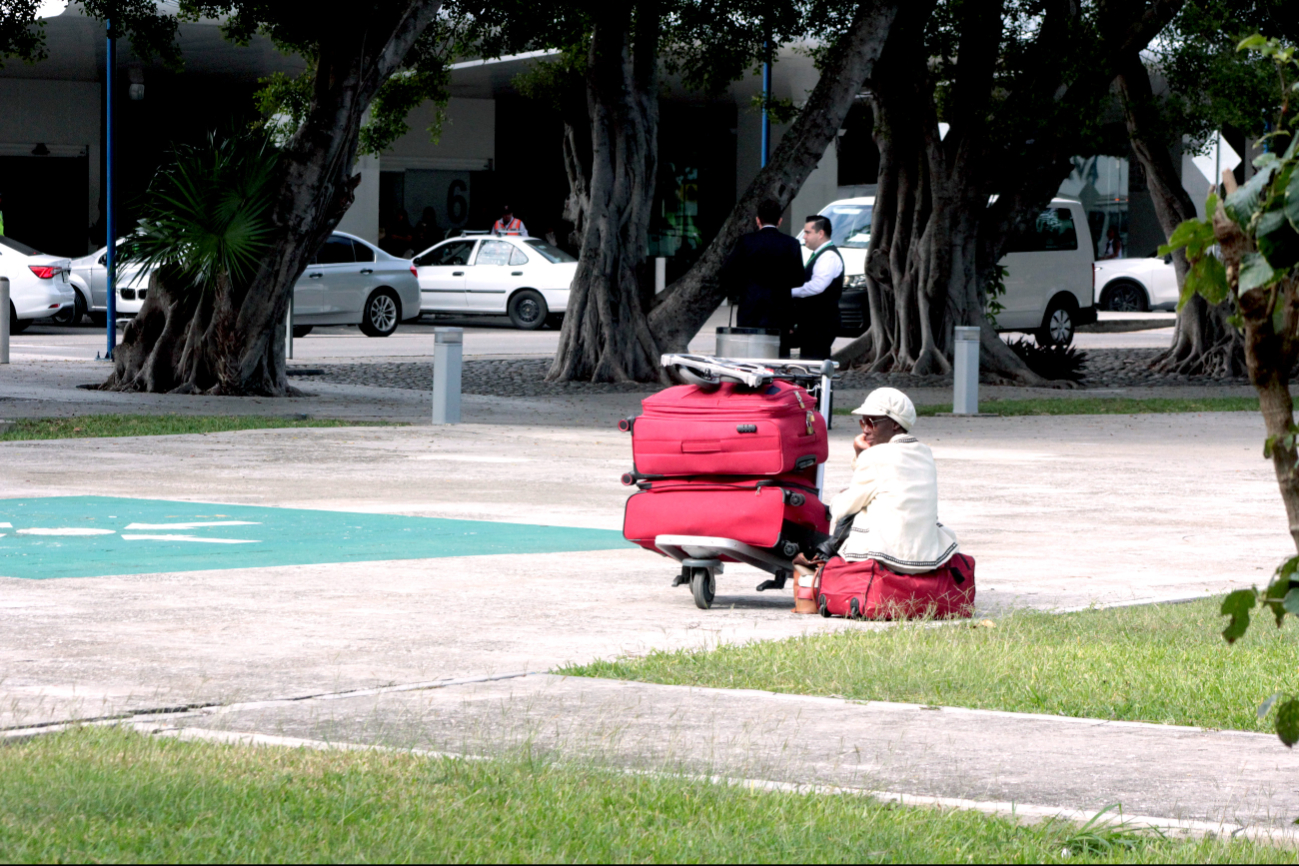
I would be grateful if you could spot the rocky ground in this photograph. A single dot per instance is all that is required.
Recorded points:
(1105, 368)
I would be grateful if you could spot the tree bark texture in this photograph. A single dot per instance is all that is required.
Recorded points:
(1204, 342)
(606, 335)
(232, 341)
(683, 308)
(936, 239)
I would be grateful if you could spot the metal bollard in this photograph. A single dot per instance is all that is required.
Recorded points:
(965, 379)
(448, 350)
(4, 320)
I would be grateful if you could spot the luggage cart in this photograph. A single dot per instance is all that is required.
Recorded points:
(703, 557)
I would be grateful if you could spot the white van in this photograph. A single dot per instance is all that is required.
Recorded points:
(1049, 281)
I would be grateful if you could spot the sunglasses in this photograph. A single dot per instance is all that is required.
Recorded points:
(868, 423)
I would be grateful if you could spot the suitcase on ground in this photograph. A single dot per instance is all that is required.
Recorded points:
(866, 589)
(764, 512)
(728, 430)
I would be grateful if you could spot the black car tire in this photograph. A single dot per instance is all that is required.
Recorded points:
(74, 315)
(528, 310)
(381, 314)
(17, 325)
(1059, 323)
(1126, 297)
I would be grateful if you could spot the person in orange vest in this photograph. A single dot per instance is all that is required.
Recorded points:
(509, 224)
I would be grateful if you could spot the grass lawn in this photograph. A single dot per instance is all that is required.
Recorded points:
(1165, 664)
(1098, 406)
(109, 795)
(91, 426)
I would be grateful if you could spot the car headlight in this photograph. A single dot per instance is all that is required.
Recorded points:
(856, 281)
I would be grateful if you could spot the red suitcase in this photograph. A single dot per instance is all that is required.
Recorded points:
(763, 512)
(728, 430)
(865, 589)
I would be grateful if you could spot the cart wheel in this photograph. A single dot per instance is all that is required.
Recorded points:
(702, 585)
(822, 607)
(854, 612)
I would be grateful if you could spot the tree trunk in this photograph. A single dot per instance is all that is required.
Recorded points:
(232, 341)
(684, 307)
(1204, 342)
(606, 336)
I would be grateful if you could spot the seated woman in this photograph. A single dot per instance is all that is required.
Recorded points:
(893, 498)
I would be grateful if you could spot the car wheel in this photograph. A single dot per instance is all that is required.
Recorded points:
(1058, 324)
(382, 313)
(17, 325)
(300, 331)
(72, 315)
(1127, 297)
(528, 310)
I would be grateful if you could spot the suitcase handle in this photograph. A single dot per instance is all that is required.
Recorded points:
(626, 424)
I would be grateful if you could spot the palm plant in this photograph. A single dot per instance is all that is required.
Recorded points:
(207, 215)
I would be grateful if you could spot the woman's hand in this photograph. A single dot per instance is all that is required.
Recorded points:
(860, 443)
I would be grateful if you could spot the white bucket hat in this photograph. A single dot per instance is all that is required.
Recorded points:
(890, 403)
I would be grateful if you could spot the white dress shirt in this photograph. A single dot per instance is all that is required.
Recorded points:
(825, 269)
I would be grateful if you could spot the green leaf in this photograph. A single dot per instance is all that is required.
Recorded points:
(1291, 206)
(1256, 42)
(1287, 722)
(1266, 707)
(1208, 278)
(1237, 606)
(1265, 159)
(1242, 203)
(1255, 272)
(1195, 235)
(1291, 603)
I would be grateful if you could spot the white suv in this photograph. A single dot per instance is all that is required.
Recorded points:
(1049, 286)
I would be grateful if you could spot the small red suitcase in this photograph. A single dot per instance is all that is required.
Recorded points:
(865, 589)
(763, 512)
(728, 430)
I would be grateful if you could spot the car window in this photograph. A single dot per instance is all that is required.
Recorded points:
(17, 247)
(1052, 231)
(850, 225)
(452, 253)
(493, 253)
(337, 250)
(548, 251)
(363, 252)
(518, 256)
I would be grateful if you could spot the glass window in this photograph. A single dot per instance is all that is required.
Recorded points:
(450, 253)
(494, 253)
(850, 225)
(518, 256)
(17, 247)
(363, 252)
(1054, 230)
(548, 251)
(336, 251)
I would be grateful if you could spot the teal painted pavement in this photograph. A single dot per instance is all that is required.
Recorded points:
(95, 536)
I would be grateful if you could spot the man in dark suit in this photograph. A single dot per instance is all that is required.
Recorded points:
(760, 272)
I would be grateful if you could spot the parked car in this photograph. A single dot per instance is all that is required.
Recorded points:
(524, 278)
(1049, 290)
(38, 284)
(1136, 285)
(348, 282)
(89, 279)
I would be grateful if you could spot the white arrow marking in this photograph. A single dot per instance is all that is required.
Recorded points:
(66, 530)
(6, 526)
(189, 538)
(192, 525)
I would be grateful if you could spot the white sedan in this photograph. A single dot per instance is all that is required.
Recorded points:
(1136, 285)
(524, 278)
(348, 282)
(38, 284)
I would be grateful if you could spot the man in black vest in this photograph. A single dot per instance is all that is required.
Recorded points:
(760, 272)
(816, 301)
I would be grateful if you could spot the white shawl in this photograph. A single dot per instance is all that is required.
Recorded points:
(895, 489)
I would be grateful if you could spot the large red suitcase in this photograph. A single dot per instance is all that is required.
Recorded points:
(865, 589)
(728, 430)
(762, 512)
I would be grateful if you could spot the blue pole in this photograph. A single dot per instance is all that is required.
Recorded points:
(766, 117)
(110, 217)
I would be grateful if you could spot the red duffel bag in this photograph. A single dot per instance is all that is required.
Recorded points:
(728, 430)
(758, 511)
(865, 589)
